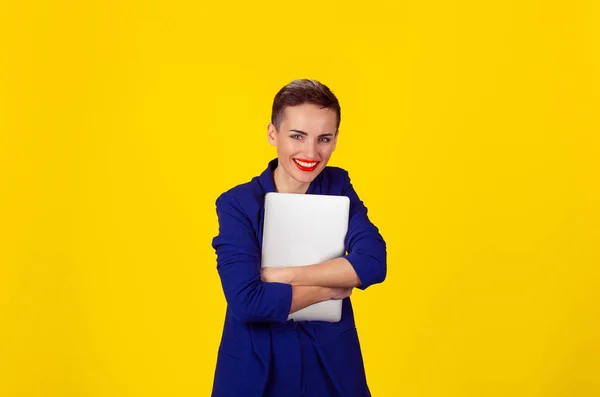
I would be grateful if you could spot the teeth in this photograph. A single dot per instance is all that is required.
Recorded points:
(304, 164)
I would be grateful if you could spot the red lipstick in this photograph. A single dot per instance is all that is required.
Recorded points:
(304, 167)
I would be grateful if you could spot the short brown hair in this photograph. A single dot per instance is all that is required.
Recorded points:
(303, 91)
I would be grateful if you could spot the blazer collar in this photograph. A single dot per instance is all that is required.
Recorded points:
(266, 178)
(268, 184)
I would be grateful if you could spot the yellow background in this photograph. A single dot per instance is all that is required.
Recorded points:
(470, 129)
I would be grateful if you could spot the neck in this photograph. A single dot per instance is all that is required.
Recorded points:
(286, 184)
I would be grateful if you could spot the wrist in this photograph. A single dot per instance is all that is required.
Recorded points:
(328, 293)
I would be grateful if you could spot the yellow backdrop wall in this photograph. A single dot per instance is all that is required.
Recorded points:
(470, 130)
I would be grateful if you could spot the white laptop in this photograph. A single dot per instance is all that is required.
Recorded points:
(305, 229)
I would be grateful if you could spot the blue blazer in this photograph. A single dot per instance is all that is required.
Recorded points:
(256, 309)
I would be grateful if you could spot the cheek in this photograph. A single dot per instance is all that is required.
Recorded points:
(291, 147)
(326, 152)
(284, 149)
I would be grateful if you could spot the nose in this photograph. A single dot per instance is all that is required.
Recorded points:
(311, 149)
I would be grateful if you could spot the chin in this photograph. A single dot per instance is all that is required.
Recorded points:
(306, 177)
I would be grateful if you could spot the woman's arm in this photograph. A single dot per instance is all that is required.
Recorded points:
(306, 295)
(238, 263)
(367, 251)
(364, 265)
(336, 273)
(249, 298)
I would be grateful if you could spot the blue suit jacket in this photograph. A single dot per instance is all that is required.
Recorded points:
(255, 309)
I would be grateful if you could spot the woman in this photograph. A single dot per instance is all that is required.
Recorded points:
(261, 353)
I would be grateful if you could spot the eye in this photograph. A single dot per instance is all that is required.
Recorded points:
(296, 137)
(324, 139)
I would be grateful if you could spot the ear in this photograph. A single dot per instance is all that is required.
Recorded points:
(272, 134)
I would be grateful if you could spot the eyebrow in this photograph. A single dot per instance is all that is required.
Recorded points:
(305, 134)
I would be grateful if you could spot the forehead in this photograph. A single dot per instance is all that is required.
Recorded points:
(310, 119)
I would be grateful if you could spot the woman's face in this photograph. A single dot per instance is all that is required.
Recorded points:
(306, 138)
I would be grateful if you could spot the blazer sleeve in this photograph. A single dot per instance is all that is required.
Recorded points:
(364, 244)
(238, 263)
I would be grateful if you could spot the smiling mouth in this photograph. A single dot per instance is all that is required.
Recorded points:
(306, 165)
